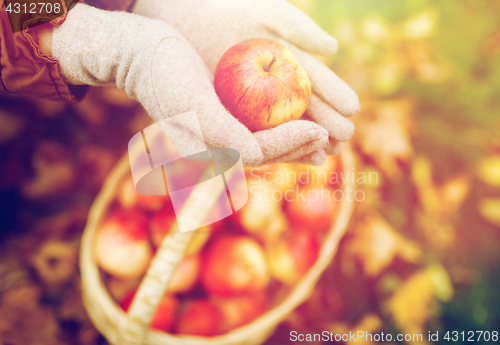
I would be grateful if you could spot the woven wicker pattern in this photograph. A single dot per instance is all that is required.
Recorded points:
(122, 329)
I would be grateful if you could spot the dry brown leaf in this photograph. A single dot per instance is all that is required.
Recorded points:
(385, 135)
(24, 321)
(54, 172)
(438, 231)
(56, 262)
(10, 126)
(439, 201)
(375, 243)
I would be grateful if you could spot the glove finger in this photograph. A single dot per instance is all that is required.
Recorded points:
(297, 27)
(326, 83)
(338, 126)
(333, 147)
(221, 129)
(291, 140)
(314, 158)
(295, 155)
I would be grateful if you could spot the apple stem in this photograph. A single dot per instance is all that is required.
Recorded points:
(270, 64)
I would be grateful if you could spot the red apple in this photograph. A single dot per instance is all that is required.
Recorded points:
(239, 311)
(291, 256)
(262, 84)
(122, 244)
(128, 197)
(312, 208)
(186, 275)
(326, 174)
(164, 316)
(233, 266)
(120, 288)
(335, 169)
(161, 223)
(201, 317)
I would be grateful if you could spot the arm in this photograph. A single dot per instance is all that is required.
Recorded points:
(158, 67)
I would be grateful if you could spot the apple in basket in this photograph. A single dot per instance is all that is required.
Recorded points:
(292, 255)
(239, 311)
(128, 197)
(185, 275)
(161, 224)
(234, 265)
(122, 244)
(164, 316)
(200, 317)
(312, 208)
(262, 216)
(262, 84)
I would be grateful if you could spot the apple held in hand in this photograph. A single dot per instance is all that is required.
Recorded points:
(262, 84)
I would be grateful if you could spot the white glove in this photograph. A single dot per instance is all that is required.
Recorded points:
(157, 66)
(213, 26)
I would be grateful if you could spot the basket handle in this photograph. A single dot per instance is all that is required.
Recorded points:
(167, 258)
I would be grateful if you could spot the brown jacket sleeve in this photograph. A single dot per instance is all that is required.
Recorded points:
(24, 70)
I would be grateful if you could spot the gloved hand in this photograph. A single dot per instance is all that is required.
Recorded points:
(157, 66)
(213, 26)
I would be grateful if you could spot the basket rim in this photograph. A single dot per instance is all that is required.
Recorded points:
(109, 319)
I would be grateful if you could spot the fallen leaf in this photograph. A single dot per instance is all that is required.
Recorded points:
(439, 201)
(24, 321)
(369, 324)
(420, 26)
(384, 135)
(375, 243)
(411, 305)
(489, 170)
(489, 208)
(54, 172)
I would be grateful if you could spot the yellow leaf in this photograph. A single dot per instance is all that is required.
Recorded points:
(438, 230)
(375, 29)
(384, 134)
(421, 172)
(388, 76)
(411, 304)
(489, 209)
(420, 26)
(489, 170)
(375, 243)
(369, 324)
(431, 73)
(438, 200)
(454, 192)
(442, 282)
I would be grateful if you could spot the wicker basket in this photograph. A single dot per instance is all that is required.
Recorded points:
(122, 329)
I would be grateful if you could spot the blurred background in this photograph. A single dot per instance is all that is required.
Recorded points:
(421, 253)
